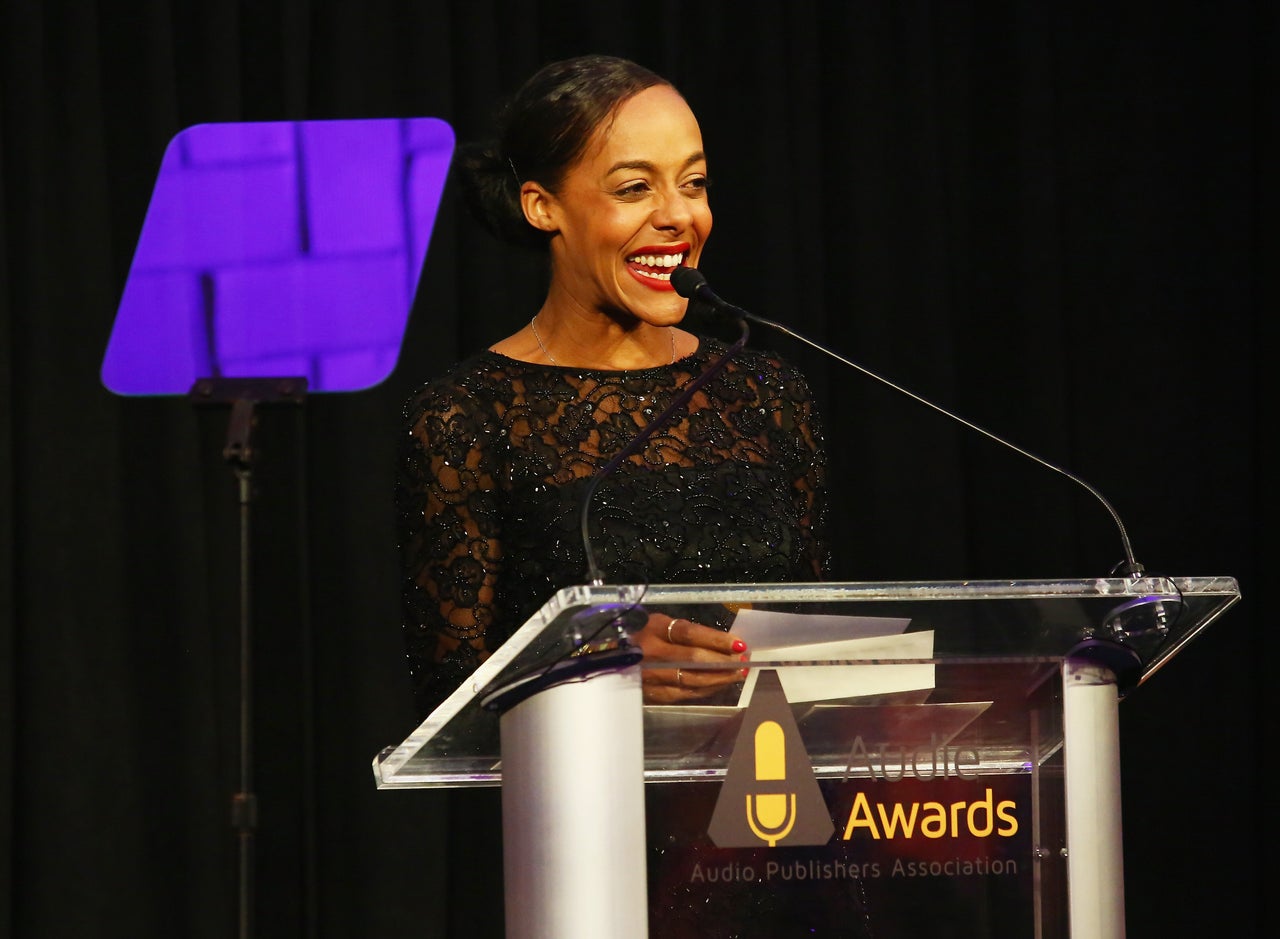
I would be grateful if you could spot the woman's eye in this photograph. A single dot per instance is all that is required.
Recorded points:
(633, 189)
(698, 183)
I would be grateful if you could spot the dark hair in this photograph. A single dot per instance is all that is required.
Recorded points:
(542, 131)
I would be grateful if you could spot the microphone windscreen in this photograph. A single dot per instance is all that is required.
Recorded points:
(687, 280)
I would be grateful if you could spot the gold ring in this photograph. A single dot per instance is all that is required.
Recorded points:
(669, 625)
(679, 678)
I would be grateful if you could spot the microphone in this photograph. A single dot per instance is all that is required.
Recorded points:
(770, 815)
(691, 283)
(594, 576)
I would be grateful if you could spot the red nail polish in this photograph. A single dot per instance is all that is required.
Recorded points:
(744, 658)
(739, 646)
(744, 672)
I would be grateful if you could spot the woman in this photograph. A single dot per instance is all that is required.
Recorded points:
(600, 164)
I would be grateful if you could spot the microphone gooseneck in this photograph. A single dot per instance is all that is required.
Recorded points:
(690, 283)
(594, 575)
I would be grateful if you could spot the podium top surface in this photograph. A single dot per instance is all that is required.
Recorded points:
(944, 653)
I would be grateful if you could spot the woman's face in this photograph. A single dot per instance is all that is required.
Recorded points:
(631, 208)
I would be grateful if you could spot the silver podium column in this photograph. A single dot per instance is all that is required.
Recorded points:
(573, 810)
(1095, 851)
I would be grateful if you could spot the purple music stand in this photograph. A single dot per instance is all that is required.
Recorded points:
(275, 259)
(286, 248)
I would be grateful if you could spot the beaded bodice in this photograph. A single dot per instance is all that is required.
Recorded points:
(497, 455)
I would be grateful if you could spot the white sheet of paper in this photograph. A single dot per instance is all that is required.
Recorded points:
(764, 629)
(802, 683)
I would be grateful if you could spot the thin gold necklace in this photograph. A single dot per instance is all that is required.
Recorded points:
(533, 324)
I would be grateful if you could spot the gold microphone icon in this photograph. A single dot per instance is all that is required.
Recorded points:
(774, 813)
(770, 770)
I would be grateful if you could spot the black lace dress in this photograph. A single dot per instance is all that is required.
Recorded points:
(496, 455)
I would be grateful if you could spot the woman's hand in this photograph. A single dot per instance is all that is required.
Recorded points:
(671, 639)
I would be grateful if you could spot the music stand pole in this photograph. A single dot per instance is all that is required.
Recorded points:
(244, 394)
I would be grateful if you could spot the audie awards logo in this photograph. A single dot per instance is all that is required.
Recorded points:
(770, 796)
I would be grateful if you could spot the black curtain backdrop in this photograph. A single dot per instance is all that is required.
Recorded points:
(1055, 219)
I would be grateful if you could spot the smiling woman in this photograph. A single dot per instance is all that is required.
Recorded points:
(600, 163)
(633, 206)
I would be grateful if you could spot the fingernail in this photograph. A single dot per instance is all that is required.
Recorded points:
(744, 672)
(744, 658)
(739, 646)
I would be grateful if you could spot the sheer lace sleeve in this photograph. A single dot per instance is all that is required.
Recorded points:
(806, 459)
(450, 538)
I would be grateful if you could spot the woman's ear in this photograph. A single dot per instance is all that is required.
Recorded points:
(539, 207)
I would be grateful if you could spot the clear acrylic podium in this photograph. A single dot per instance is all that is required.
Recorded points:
(983, 789)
